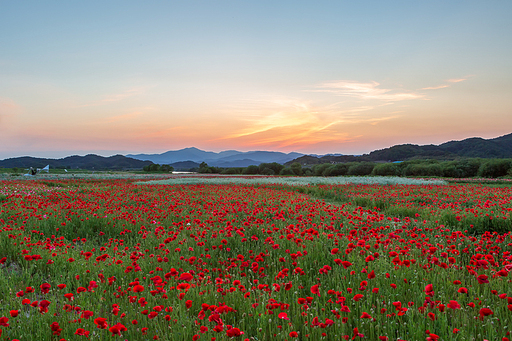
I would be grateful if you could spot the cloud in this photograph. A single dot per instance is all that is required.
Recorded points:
(282, 123)
(125, 94)
(371, 90)
(442, 86)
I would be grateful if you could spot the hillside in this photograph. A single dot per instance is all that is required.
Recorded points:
(91, 161)
(476, 147)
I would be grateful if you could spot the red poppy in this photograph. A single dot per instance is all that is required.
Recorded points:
(101, 323)
(454, 305)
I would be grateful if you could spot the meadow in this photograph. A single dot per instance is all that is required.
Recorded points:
(254, 258)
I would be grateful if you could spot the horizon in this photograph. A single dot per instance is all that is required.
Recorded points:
(325, 78)
(248, 151)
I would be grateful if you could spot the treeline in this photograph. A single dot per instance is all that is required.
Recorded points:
(462, 168)
(155, 167)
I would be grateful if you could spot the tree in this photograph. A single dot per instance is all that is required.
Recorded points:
(296, 168)
(166, 168)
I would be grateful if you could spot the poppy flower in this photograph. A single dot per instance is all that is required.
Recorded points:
(293, 334)
(186, 277)
(454, 305)
(482, 279)
(117, 329)
(45, 288)
(283, 316)
(485, 312)
(138, 288)
(101, 322)
(14, 313)
(315, 290)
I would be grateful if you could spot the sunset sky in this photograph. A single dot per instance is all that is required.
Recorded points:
(119, 77)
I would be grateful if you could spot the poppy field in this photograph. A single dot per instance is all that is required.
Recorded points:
(91, 259)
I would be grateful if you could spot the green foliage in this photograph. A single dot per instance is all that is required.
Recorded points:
(232, 170)
(274, 166)
(155, 167)
(296, 168)
(495, 168)
(361, 168)
(386, 169)
(286, 171)
(318, 170)
(336, 170)
(251, 170)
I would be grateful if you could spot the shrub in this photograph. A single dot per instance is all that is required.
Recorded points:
(336, 170)
(286, 171)
(385, 169)
(251, 170)
(361, 168)
(494, 168)
(318, 170)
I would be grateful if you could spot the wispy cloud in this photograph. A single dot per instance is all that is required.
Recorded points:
(284, 123)
(371, 90)
(443, 86)
(125, 94)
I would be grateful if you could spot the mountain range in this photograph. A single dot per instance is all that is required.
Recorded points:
(499, 147)
(228, 158)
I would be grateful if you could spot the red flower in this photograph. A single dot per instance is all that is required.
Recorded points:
(14, 313)
(186, 277)
(101, 323)
(138, 288)
(315, 290)
(81, 331)
(3, 322)
(293, 334)
(429, 290)
(55, 328)
(45, 288)
(485, 312)
(357, 297)
(454, 305)
(188, 304)
(283, 316)
(117, 329)
(233, 332)
(482, 279)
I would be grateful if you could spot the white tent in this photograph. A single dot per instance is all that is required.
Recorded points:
(46, 169)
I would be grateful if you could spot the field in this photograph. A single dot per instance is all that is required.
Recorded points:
(257, 259)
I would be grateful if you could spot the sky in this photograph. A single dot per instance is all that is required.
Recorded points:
(348, 77)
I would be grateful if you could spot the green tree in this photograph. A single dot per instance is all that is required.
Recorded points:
(296, 168)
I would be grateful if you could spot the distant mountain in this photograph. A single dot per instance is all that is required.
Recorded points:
(91, 161)
(229, 158)
(500, 147)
